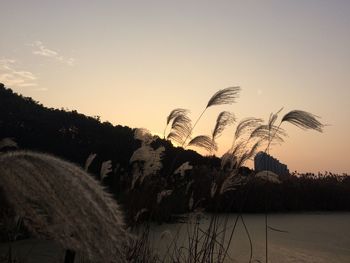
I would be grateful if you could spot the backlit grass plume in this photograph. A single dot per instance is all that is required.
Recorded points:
(106, 168)
(224, 119)
(242, 140)
(303, 120)
(246, 125)
(181, 128)
(221, 97)
(89, 160)
(205, 142)
(144, 136)
(60, 201)
(273, 117)
(183, 168)
(269, 133)
(7, 143)
(173, 114)
(148, 158)
(224, 96)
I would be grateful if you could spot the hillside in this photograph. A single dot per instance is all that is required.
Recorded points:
(73, 136)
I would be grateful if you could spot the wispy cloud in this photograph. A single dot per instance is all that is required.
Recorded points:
(41, 50)
(11, 76)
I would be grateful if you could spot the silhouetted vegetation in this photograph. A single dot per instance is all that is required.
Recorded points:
(155, 180)
(73, 136)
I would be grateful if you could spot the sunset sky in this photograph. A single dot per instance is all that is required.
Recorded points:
(132, 62)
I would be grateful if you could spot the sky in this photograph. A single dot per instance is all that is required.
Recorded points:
(132, 62)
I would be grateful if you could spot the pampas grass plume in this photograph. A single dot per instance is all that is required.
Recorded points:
(58, 200)
(224, 96)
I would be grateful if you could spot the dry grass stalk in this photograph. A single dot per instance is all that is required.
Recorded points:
(205, 142)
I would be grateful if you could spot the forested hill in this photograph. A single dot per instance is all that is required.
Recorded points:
(74, 136)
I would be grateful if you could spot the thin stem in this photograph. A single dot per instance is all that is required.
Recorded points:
(249, 238)
(165, 131)
(266, 243)
(194, 125)
(184, 142)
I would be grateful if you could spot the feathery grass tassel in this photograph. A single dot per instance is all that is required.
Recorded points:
(224, 119)
(180, 129)
(224, 96)
(203, 141)
(303, 120)
(173, 114)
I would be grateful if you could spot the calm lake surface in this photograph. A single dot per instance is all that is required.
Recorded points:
(310, 237)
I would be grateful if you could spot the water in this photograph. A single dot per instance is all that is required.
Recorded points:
(310, 237)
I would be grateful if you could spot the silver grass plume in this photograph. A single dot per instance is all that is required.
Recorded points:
(181, 129)
(89, 160)
(163, 194)
(139, 213)
(303, 120)
(226, 159)
(144, 136)
(7, 142)
(224, 119)
(231, 182)
(150, 159)
(203, 141)
(224, 96)
(231, 157)
(136, 174)
(273, 118)
(268, 133)
(183, 168)
(213, 189)
(173, 136)
(247, 125)
(173, 114)
(106, 168)
(268, 176)
(58, 200)
(248, 154)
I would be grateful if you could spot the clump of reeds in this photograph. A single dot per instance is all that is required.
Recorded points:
(251, 135)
